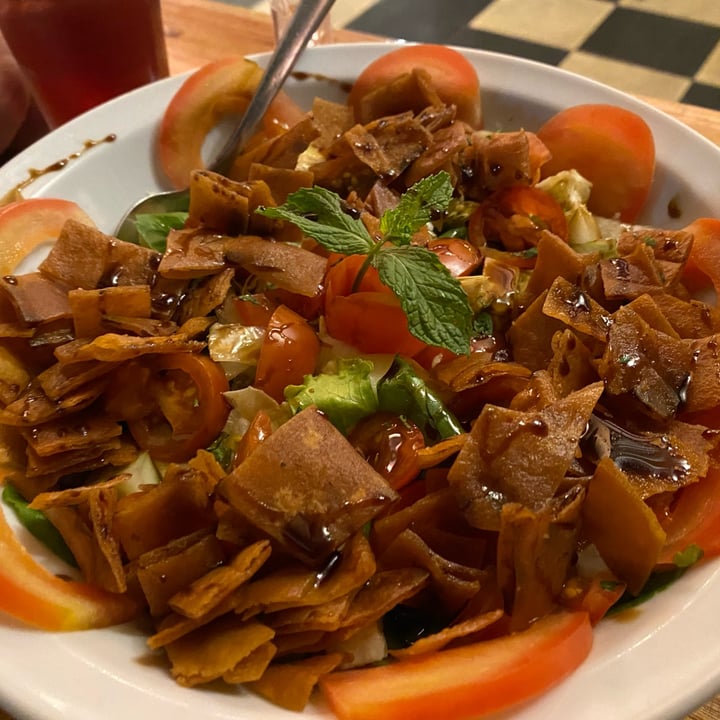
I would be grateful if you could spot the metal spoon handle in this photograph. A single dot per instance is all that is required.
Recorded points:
(305, 21)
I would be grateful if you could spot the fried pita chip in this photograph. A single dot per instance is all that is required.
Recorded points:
(205, 656)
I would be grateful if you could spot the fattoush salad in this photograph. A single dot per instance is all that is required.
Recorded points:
(396, 410)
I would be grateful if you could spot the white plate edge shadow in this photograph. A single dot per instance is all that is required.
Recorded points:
(643, 668)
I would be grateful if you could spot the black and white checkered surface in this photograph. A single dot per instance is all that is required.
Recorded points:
(667, 49)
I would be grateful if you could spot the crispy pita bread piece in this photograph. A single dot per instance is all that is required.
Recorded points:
(410, 91)
(384, 591)
(628, 276)
(326, 617)
(452, 583)
(36, 298)
(331, 120)
(307, 487)
(646, 366)
(281, 151)
(60, 380)
(519, 456)
(457, 631)
(295, 586)
(286, 266)
(492, 161)
(225, 206)
(207, 295)
(166, 570)
(157, 514)
(281, 181)
(106, 261)
(81, 459)
(217, 649)
(87, 528)
(208, 591)
(72, 432)
(90, 307)
(689, 318)
(111, 347)
(34, 407)
(390, 145)
(290, 684)
(531, 334)
(703, 389)
(446, 143)
(192, 253)
(535, 553)
(616, 518)
(574, 307)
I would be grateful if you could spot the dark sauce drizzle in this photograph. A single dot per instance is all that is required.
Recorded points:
(35, 173)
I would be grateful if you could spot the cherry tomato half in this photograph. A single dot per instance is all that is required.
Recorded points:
(516, 216)
(288, 353)
(457, 255)
(369, 316)
(390, 445)
(173, 404)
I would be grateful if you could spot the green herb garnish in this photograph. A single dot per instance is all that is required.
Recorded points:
(153, 228)
(436, 306)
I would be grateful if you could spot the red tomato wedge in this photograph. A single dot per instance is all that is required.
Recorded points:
(465, 682)
(288, 353)
(32, 594)
(453, 76)
(695, 519)
(28, 224)
(610, 146)
(214, 91)
(702, 269)
(365, 314)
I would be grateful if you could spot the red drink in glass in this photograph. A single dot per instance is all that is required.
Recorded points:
(77, 54)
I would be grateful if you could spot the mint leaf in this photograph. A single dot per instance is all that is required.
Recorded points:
(436, 306)
(319, 214)
(430, 195)
(153, 228)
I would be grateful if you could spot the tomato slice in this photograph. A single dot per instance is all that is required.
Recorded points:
(470, 681)
(515, 217)
(390, 444)
(457, 255)
(610, 146)
(453, 76)
(702, 269)
(31, 593)
(366, 313)
(218, 89)
(694, 519)
(288, 353)
(29, 224)
(179, 409)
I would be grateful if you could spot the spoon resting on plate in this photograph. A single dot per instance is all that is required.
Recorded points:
(305, 21)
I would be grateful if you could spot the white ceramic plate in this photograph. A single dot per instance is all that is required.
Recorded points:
(661, 661)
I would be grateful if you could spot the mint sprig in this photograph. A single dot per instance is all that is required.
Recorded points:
(436, 306)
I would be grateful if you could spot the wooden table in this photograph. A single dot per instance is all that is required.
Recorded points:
(198, 31)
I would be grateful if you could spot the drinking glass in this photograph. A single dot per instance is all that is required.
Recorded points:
(77, 54)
